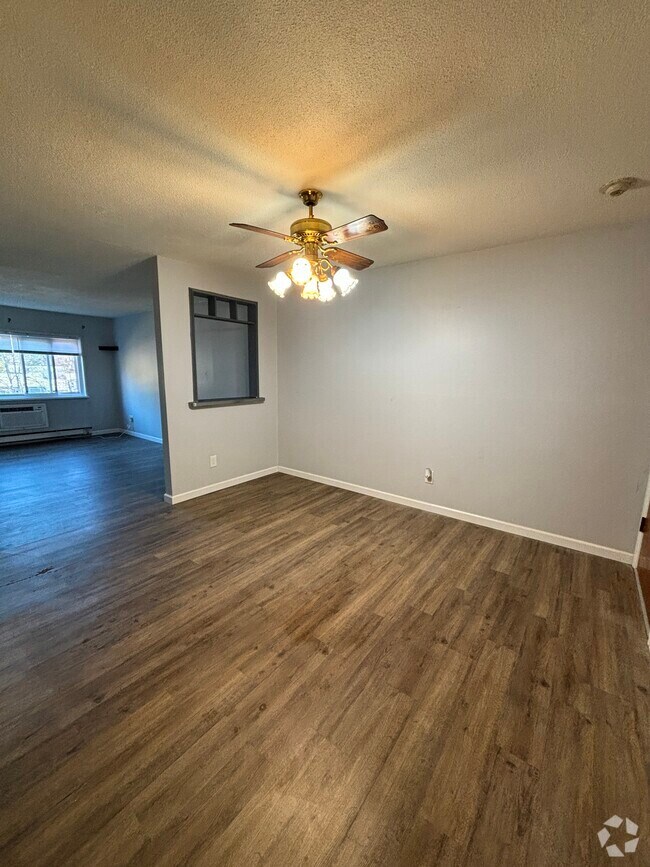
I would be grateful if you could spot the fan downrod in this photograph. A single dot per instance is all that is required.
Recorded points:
(310, 228)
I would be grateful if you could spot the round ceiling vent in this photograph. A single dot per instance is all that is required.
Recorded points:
(616, 188)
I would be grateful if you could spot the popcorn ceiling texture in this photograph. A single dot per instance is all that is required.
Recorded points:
(138, 128)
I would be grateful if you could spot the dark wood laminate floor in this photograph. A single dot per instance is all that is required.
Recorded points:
(284, 673)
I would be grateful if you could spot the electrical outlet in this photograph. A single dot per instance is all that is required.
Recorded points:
(428, 476)
(213, 460)
(131, 423)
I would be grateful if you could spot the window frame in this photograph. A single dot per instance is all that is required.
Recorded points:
(253, 346)
(52, 395)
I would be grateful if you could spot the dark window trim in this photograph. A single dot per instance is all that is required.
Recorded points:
(253, 350)
(226, 318)
(224, 401)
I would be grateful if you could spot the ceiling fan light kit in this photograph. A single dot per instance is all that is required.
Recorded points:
(319, 266)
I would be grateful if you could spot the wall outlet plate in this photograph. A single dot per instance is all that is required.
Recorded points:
(428, 476)
(213, 460)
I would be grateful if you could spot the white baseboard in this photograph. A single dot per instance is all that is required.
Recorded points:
(141, 436)
(172, 499)
(132, 433)
(493, 523)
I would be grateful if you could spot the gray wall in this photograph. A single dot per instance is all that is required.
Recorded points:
(244, 438)
(101, 409)
(519, 374)
(221, 359)
(138, 373)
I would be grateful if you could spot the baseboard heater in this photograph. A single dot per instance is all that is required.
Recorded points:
(24, 422)
(65, 433)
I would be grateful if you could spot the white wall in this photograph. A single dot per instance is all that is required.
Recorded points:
(101, 409)
(519, 374)
(244, 438)
(137, 369)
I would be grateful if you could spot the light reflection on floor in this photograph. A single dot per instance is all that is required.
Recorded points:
(77, 476)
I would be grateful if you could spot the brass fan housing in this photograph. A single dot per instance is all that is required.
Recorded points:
(309, 229)
(310, 226)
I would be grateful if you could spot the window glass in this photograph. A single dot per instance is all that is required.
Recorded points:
(11, 374)
(37, 373)
(67, 374)
(40, 365)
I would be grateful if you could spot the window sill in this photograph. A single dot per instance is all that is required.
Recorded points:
(229, 401)
(39, 398)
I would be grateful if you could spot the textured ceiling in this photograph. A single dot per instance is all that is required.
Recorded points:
(135, 128)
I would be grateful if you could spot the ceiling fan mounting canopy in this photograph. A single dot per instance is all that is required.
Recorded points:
(317, 257)
(310, 198)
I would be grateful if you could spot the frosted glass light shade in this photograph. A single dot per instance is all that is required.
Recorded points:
(326, 290)
(301, 271)
(280, 284)
(344, 281)
(311, 290)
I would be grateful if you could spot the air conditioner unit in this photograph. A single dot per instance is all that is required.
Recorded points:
(23, 417)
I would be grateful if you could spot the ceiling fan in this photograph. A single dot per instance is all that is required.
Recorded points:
(318, 264)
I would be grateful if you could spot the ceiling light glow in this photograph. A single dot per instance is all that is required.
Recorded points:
(301, 271)
(310, 291)
(280, 284)
(326, 290)
(344, 281)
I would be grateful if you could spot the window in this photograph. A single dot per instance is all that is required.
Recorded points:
(33, 364)
(224, 349)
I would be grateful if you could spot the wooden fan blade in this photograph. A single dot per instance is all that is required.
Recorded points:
(369, 225)
(348, 259)
(278, 260)
(263, 231)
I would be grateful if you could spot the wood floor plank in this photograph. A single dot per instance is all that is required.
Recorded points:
(284, 673)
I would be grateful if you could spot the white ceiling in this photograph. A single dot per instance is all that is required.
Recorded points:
(130, 129)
